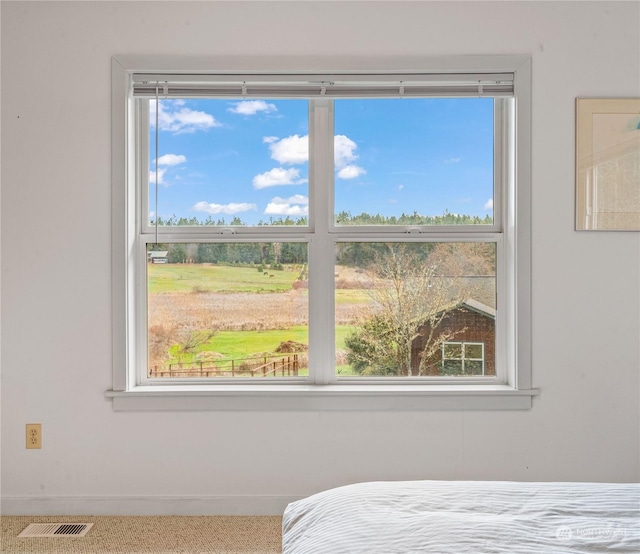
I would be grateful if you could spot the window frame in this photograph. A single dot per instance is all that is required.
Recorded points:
(511, 390)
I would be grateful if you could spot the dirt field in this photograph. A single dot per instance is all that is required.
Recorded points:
(233, 312)
(238, 311)
(247, 311)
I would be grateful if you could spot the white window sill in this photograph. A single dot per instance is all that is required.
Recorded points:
(321, 398)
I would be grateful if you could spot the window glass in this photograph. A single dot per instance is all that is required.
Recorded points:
(227, 309)
(229, 162)
(397, 303)
(473, 367)
(452, 351)
(473, 351)
(414, 161)
(452, 367)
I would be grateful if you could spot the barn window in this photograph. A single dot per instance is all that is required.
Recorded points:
(320, 229)
(463, 358)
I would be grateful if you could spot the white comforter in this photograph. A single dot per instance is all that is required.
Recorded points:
(465, 516)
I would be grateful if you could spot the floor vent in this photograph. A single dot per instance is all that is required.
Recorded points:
(56, 530)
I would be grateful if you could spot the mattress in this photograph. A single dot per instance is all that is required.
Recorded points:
(465, 516)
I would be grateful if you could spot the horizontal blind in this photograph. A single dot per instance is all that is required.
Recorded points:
(330, 86)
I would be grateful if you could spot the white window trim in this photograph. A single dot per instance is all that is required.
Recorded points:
(516, 393)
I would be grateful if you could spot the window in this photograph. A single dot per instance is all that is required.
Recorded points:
(463, 358)
(305, 234)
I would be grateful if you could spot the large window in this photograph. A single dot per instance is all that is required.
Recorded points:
(320, 230)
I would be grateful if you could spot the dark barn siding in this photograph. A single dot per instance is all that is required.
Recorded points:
(476, 327)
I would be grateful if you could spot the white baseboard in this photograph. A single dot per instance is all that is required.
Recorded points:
(145, 505)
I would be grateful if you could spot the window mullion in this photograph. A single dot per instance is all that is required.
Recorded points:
(321, 249)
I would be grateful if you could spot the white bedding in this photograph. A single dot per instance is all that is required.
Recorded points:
(465, 517)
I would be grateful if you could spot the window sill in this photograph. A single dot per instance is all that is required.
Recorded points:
(399, 398)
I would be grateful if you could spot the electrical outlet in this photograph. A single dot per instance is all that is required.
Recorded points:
(34, 435)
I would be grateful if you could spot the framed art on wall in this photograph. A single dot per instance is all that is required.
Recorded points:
(608, 164)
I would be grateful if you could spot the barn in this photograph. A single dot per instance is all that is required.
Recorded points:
(158, 257)
(466, 338)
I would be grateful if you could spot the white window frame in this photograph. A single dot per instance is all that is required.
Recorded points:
(511, 389)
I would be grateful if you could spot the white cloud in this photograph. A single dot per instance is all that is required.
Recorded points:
(229, 209)
(294, 205)
(175, 118)
(343, 151)
(166, 161)
(453, 161)
(295, 199)
(294, 149)
(172, 159)
(289, 150)
(252, 107)
(277, 176)
(152, 176)
(488, 205)
(400, 187)
(351, 172)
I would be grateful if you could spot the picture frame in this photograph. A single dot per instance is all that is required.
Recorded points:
(607, 164)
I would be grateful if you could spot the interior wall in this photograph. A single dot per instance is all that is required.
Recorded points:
(56, 249)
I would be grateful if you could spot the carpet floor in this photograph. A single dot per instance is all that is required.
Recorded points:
(157, 534)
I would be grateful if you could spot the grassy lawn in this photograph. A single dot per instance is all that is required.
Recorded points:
(216, 278)
(352, 296)
(341, 333)
(235, 345)
(242, 344)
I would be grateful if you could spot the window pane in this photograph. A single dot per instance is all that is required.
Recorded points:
(452, 367)
(414, 161)
(472, 367)
(397, 303)
(227, 310)
(229, 162)
(452, 350)
(473, 351)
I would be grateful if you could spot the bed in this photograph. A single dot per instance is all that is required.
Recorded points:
(465, 517)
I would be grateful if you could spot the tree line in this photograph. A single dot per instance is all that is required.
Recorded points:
(273, 254)
(351, 254)
(341, 218)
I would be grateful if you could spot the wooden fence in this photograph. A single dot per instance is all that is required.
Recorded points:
(246, 367)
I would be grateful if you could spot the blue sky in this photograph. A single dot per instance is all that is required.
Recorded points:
(249, 158)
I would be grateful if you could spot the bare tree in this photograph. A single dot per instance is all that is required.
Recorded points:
(160, 339)
(190, 339)
(408, 292)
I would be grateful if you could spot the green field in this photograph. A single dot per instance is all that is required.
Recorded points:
(176, 283)
(240, 344)
(233, 345)
(217, 278)
(352, 296)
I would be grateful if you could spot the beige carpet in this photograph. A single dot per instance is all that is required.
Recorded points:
(158, 534)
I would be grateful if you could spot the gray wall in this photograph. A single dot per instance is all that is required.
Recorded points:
(56, 336)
